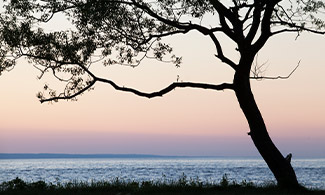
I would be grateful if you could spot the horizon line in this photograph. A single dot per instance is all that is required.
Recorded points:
(103, 155)
(112, 155)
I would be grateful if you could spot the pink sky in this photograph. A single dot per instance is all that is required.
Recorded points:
(183, 122)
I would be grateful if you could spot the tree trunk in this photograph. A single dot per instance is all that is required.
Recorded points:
(280, 166)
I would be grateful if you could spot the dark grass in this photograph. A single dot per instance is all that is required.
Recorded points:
(120, 187)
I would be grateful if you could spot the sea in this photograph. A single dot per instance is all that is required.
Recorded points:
(310, 172)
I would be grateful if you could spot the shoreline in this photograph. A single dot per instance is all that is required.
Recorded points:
(117, 186)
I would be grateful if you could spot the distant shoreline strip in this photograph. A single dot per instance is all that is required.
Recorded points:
(51, 156)
(79, 156)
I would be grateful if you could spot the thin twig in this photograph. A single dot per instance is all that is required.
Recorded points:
(277, 77)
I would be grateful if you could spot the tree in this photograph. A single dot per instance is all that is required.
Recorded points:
(126, 32)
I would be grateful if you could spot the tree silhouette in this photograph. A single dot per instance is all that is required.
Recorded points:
(126, 32)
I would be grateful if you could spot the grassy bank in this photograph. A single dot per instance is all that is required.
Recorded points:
(119, 187)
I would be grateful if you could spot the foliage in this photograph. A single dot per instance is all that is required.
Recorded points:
(127, 32)
(117, 186)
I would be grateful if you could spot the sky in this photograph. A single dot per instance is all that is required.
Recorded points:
(192, 122)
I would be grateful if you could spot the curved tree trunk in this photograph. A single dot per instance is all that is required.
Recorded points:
(280, 167)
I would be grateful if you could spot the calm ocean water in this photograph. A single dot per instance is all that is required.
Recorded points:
(310, 172)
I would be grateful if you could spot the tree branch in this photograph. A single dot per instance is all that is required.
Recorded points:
(231, 14)
(265, 25)
(284, 30)
(220, 54)
(222, 10)
(160, 93)
(186, 27)
(71, 96)
(278, 77)
(256, 21)
(168, 88)
(296, 28)
(158, 17)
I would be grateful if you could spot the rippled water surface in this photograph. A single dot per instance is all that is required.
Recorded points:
(310, 172)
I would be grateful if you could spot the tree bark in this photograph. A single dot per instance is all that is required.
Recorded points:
(280, 167)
